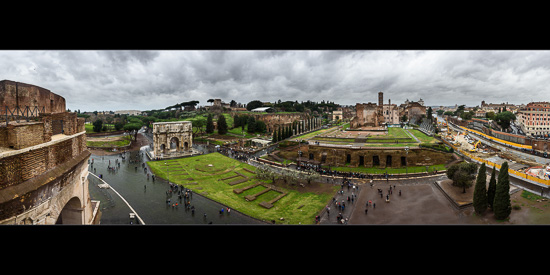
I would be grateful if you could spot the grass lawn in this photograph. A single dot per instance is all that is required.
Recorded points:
(90, 128)
(422, 137)
(213, 182)
(397, 132)
(312, 134)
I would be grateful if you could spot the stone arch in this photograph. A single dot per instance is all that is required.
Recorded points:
(176, 136)
(72, 212)
(174, 144)
(26, 221)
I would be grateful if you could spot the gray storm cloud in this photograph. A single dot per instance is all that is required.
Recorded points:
(154, 79)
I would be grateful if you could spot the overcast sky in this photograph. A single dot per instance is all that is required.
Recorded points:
(154, 79)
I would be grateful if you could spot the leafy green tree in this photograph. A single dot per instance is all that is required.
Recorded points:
(209, 124)
(462, 174)
(449, 113)
(222, 125)
(254, 104)
(480, 191)
(459, 110)
(503, 119)
(98, 125)
(502, 207)
(492, 188)
(119, 125)
(198, 124)
(135, 126)
(260, 126)
(490, 115)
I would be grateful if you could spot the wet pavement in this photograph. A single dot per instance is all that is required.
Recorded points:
(420, 203)
(149, 198)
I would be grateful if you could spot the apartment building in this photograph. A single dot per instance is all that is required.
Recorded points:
(534, 119)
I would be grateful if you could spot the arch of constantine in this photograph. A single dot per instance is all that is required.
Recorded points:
(172, 139)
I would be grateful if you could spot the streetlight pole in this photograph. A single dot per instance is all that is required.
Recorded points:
(406, 160)
(167, 173)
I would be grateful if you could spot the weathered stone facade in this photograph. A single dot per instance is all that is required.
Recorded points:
(172, 138)
(367, 114)
(413, 111)
(17, 94)
(43, 164)
(275, 120)
(375, 157)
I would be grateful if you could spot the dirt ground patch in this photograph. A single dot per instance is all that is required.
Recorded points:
(107, 138)
(141, 141)
(304, 187)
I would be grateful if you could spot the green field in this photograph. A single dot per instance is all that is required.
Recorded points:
(90, 128)
(214, 182)
(422, 137)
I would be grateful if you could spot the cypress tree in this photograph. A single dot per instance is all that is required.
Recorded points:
(492, 188)
(251, 122)
(480, 191)
(289, 131)
(275, 136)
(502, 206)
(209, 124)
(222, 125)
(280, 134)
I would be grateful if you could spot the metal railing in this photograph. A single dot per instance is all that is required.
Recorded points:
(18, 113)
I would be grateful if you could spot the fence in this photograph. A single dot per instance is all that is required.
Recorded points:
(17, 113)
(497, 139)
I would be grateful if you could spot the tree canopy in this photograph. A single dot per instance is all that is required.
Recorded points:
(503, 119)
(462, 174)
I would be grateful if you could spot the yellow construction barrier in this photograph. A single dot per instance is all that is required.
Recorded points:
(497, 139)
(498, 166)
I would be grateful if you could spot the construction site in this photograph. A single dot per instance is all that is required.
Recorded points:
(493, 152)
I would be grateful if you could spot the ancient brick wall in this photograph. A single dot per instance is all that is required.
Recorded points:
(52, 189)
(339, 157)
(4, 137)
(14, 94)
(368, 114)
(272, 121)
(25, 135)
(17, 168)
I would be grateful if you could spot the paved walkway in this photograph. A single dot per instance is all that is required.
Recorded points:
(129, 206)
(420, 203)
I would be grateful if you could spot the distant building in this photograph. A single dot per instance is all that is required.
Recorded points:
(128, 112)
(376, 115)
(390, 113)
(490, 107)
(534, 119)
(480, 113)
(336, 115)
(263, 109)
